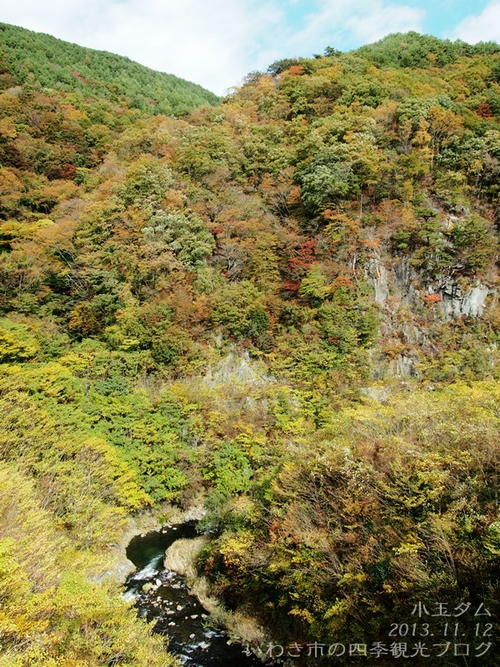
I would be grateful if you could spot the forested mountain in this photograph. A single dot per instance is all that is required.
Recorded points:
(287, 304)
(32, 57)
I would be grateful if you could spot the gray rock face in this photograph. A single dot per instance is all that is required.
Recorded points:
(455, 303)
(238, 371)
(406, 284)
(401, 274)
(403, 366)
(119, 571)
(474, 301)
(378, 277)
(380, 394)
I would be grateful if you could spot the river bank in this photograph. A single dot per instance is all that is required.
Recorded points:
(117, 566)
(201, 632)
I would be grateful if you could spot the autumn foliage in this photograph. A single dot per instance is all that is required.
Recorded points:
(285, 307)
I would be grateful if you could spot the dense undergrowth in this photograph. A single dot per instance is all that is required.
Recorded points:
(252, 302)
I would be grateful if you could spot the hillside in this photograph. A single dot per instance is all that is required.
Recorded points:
(423, 51)
(55, 64)
(287, 306)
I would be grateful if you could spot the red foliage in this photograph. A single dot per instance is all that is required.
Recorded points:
(296, 70)
(66, 172)
(484, 110)
(11, 157)
(343, 281)
(218, 229)
(79, 76)
(304, 259)
(432, 298)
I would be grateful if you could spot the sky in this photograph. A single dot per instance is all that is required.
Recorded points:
(217, 42)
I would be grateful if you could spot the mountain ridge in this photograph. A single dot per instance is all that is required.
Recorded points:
(62, 65)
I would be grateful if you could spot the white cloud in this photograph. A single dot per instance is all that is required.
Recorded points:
(481, 28)
(344, 23)
(215, 42)
(384, 20)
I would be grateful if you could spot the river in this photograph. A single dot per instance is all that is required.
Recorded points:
(177, 614)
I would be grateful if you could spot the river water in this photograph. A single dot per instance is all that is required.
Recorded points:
(178, 614)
